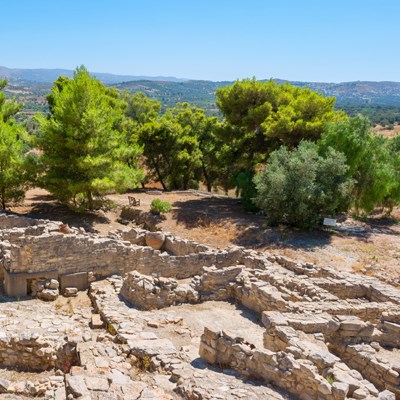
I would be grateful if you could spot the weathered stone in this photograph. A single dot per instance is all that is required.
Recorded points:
(155, 240)
(54, 284)
(97, 383)
(97, 322)
(4, 385)
(76, 386)
(70, 292)
(48, 294)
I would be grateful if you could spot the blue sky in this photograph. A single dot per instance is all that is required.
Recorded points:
(305, 40)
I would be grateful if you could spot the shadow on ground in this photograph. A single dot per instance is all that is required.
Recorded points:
(211, 210)
(46, 207)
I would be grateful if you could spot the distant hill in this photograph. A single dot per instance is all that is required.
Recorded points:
(346, 93)
(379, 100)
(358, 92)
(43, 76)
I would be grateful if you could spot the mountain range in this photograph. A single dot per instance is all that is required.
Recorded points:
(42, 76)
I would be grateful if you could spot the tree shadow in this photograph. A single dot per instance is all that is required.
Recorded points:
(56, 211)
(211, 210)
(253, 231)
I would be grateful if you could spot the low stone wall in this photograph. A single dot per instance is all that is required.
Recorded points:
(343, 284)
(367, 360)
(172, 244)
(298, 376)
(390, 328)
(100, 256)
(32, 352)
(8, 221)
(347, 338)
(149, 293)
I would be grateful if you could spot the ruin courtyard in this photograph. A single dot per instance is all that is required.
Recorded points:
(139, 314)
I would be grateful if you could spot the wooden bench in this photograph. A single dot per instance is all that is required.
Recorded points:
(133, 201)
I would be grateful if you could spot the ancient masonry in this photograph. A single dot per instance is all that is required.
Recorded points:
(283, 330)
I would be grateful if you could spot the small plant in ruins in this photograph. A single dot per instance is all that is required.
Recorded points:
(160, 206)
(70, 308)
(330, 379)
(144, 363)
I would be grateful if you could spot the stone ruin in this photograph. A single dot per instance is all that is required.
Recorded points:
(264, 326)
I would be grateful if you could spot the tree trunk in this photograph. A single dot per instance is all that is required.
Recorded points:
(158, 174)
(206, 177)
(3, 199)
(90, 200)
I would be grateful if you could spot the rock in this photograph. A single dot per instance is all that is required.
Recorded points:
(386, 395)
(97, 383)
(76, 386)
(360, 394)
(4, 385)
(97, 322)
(118, 378)
(54, 284)
(64, 228)
(340, 390)
(155, 240)
(70, 292)
(134, 389)
(48, 294)
(149, 348)
(60, 394)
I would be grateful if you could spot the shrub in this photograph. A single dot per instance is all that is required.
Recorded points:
(246, 189)
(300, 187)
(160, 206)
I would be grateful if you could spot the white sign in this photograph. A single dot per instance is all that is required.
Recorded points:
(329, 221)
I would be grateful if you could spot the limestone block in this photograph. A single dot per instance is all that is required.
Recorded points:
(53, 284)
(70, 292)
(77, 280)
(76, 386)
(48, 294)
(96, 321)
(155, 240)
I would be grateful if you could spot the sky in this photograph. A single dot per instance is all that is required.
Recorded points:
(303, 40)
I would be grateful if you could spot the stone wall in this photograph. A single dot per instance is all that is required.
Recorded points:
(32, 352)
(49, 249)
(172, 244)
(299, 376)
(149, 293)
(349, 340)
(8, 221)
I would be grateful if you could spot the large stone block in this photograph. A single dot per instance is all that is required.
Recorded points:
(78, 280)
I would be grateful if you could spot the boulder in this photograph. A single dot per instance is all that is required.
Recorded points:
(48, 294)
(54, 284)
(155, 240)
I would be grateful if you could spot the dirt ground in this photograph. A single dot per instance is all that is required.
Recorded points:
(369, 247)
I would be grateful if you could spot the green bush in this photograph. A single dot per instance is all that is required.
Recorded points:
(246, 189)
(160, 206)
(300, 187)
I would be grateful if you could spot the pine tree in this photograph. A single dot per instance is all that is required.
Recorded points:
(84, 142)
(14, 176)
